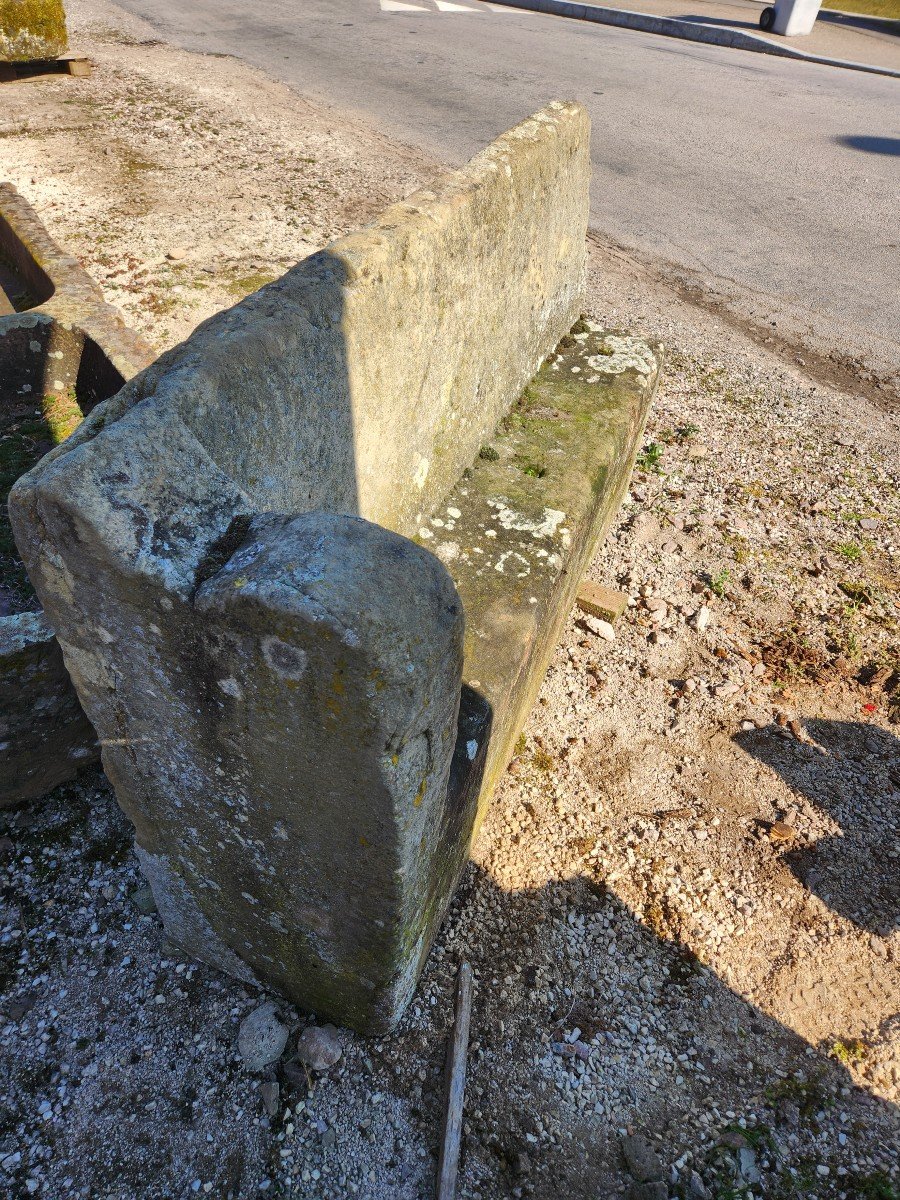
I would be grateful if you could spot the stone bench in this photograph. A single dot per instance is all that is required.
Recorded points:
(62, 351)
(308, 569)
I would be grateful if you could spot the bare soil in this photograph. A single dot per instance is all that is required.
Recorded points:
(683, 910)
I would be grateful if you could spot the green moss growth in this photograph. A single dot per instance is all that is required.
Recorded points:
(22, 443)
(32, 29)
(244, 285)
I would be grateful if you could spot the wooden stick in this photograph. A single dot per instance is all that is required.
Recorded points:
(457, 1049)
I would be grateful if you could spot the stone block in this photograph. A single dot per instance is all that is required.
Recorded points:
(32, 29)
(522, 525)
(62, 350)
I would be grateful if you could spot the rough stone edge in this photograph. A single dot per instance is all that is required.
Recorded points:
(642, 369)
(185, 922)
(691, 31)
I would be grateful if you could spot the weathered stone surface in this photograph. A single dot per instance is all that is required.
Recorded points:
(277, 694)
(32, 29)
(519, 530)
(68, 351)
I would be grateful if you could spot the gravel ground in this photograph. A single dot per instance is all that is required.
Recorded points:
(683, 908)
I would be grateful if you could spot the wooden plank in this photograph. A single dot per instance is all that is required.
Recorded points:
(457, 1050)
(599, 601)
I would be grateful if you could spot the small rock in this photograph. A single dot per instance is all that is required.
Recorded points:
(262, 1037)
(270, 1093)
(698, 450)
(642, 1160)
(697, 1189)
(780, 831)
(723, 690)
(700, 619)
(868, 523)
(747, 1165)
(601, 629)
(176, 254)
(143, 901)
(319, 1047)
(644, 528)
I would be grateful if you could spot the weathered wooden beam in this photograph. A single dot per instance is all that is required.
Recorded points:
(457, 1050)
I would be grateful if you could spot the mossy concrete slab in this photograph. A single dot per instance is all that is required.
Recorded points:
(32, 29)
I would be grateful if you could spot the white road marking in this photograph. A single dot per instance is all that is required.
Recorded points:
(439, 6)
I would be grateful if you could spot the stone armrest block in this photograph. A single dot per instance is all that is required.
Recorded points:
(65, 341)
(273, 559)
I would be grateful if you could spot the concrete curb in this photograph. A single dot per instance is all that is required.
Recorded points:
(691, 31)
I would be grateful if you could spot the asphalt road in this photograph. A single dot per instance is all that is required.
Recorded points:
(774, 179)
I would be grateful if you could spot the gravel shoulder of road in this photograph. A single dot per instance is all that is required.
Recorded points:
(682, 911)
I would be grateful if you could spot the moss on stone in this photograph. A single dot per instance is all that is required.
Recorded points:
(22, 443)
(32, 29)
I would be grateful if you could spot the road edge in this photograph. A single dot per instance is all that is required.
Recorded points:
(692, 31)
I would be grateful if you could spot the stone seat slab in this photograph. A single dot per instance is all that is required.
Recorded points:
(520, 528)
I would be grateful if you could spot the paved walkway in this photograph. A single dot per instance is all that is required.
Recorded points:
(836, 35)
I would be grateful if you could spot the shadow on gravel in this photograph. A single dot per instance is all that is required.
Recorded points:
(155, 1096)
(850, 770)
(871, 144)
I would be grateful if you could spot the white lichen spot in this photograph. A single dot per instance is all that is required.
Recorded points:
(287, 661)
(625, 353)
(426, 533)
(250, 899)
(105, 636)
(532, 599)
(280, 832)
(421, 473)
(471, 750)
(454, 513)
(34, 347)
(231, 687)
(509, 519)
(447, 551)
(491, 533)
(500, 564)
